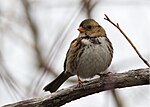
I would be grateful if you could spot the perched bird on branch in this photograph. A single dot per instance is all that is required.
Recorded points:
(89, 54)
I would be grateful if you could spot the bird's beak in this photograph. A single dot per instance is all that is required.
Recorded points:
(81, 29)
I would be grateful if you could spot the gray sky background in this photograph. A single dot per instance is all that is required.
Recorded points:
(57, 22)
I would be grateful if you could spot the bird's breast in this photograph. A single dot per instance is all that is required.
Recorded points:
(95, 57)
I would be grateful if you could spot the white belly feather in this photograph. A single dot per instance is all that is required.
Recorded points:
(95, 58)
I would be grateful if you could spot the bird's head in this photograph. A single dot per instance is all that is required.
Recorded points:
(90, 28)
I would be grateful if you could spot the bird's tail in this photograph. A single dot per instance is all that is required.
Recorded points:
(55, 84)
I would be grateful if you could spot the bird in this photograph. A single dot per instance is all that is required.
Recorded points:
(89, 54)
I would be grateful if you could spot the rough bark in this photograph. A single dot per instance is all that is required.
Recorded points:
(130, 78)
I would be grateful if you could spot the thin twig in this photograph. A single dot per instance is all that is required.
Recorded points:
(118, 27)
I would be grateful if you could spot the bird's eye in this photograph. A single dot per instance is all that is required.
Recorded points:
(89, 27)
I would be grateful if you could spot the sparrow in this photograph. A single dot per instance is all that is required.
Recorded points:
(89, 54)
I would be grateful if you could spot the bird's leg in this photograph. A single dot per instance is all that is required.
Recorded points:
(104, 74)
(80, 83)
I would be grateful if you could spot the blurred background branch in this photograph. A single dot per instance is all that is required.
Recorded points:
(35, 36)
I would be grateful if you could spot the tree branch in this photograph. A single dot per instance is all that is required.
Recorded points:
(112, 81)
(136, 50)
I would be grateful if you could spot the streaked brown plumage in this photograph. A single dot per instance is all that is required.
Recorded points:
(88, 55)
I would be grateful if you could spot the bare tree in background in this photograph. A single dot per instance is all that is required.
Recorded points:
(26, 50)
